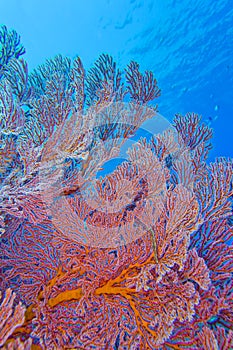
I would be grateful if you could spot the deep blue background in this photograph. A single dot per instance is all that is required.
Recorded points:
(187, 44)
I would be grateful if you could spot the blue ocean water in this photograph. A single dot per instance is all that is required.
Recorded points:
(187, 44)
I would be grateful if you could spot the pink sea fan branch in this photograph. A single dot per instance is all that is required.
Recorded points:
(11, 317)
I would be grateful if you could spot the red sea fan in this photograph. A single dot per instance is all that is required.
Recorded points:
(140, 258)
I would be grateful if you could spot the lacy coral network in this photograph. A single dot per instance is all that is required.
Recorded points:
(139, 257)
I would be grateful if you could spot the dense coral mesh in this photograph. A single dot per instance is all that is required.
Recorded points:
(140, 258)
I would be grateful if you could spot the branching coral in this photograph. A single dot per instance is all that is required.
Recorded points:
(11, 318)
(140, 258)
(10, 47)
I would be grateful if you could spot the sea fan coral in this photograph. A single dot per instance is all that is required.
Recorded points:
(140, 258)
(11, 319)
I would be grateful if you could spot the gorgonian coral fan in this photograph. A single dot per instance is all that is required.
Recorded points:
(140, 258)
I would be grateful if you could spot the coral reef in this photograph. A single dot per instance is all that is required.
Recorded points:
(138, 259)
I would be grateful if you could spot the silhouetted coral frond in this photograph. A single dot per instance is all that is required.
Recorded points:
(104, 81)
(142, 88)
(53, 68)
(10, 47)
(214, 191)
(77, 76)
(191, 132)
(16, 74)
